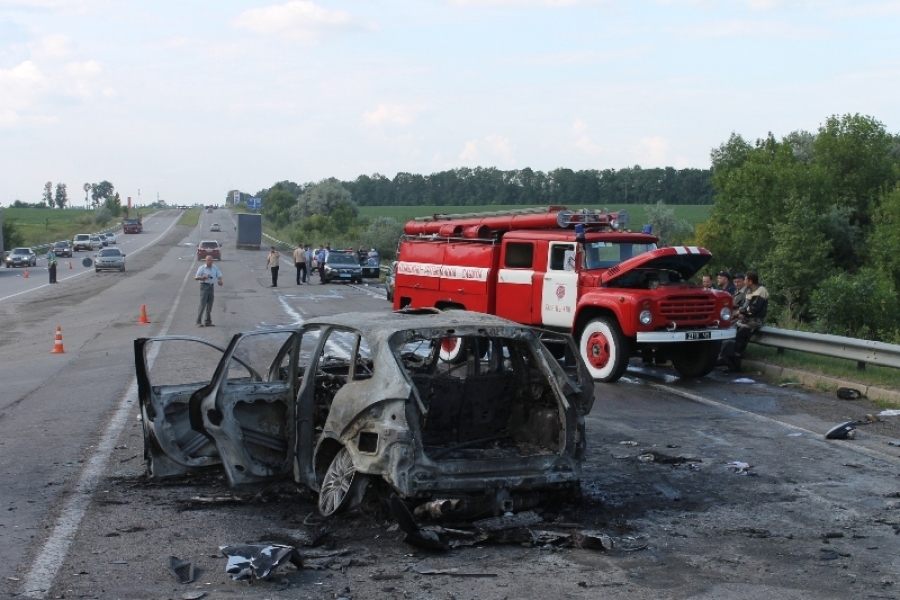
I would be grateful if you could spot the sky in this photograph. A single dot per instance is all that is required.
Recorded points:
(183, 101)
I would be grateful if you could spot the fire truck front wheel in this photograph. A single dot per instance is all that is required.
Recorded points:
(605, 349)
(695, 359)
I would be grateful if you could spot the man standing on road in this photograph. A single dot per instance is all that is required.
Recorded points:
(320, 258)
(308, 253)
(300, 264)
(51, 265)
(208, 275)
(272, 264)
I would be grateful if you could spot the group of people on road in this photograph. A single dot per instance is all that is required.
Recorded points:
(306, 260)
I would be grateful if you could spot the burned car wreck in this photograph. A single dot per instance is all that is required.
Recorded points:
(359, 401)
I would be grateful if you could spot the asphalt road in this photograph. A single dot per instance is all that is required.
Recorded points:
(808, 517)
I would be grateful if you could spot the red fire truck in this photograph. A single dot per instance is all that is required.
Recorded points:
(578, 271)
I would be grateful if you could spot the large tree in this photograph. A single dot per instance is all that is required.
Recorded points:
(101, 191)
(62, 197)
(48, 194)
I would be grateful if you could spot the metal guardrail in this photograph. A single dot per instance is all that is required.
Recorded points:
(864, 352)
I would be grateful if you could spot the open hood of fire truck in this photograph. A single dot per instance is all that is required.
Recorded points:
(684, 260)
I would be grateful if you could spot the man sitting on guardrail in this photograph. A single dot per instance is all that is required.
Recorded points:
(748, 319)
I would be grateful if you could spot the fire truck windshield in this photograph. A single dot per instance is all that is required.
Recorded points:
(603, 255)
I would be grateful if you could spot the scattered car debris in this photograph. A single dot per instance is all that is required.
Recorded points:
(889, 413)
(743, 380)
(790, 384)
(741, 468)
(666, 459)
(247, 561)
(453, 572)
(593, 540)
(846, 393)
(181, 570)
(628, 443)
(844, 431)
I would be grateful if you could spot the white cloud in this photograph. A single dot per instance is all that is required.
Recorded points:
(492, 149)
(550, 3)
(583, 141)
(299, 20)
(19, 85)
(652, 151)
(51, 47)
(395, 114)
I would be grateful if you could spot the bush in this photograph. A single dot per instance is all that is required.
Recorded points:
(860, 305)
(102, 216)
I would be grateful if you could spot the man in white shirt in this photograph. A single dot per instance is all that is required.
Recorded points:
(208, 275)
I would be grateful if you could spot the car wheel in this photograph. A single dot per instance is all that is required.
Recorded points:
(96, 270)
(342, 487)
(695, 359)
(605, 349)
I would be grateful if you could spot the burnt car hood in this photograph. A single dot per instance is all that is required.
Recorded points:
(684, 260)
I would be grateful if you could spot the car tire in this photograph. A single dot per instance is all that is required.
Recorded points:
(695, 359)
(342, 487)
(96, 270)
(605, 349)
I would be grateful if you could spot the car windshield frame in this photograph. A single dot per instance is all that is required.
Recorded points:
(110, 252)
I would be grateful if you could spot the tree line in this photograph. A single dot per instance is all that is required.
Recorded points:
(490, 186)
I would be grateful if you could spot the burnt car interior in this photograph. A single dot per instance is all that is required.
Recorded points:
(492, 402)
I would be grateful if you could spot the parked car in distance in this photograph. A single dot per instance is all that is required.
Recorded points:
(215, 227)
(21, 257)
(109, 259)
(371, 269)
(82, 241)
(62, 248)
(342, 265)
(98, 241)
(502, 426)
(209, 248)
(389, 281)
(111, 238)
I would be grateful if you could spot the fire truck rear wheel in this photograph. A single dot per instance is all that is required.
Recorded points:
(695, 359)
(605, 349)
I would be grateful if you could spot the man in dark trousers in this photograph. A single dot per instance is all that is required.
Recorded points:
(51, 265)
(748, 319)
(300, 264)
(208, 275)
(272, 264)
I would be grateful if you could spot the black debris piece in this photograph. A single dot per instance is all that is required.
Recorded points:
(181, 570)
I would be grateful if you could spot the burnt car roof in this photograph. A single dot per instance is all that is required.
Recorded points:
(371, 323)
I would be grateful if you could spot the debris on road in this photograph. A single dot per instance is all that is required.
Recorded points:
(844, 431)
(181, 570)
(740, 468)
(247, 561)
(846, 393)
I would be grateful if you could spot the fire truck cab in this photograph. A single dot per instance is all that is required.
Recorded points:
(578, 271)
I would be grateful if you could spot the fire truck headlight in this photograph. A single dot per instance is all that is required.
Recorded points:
(725, 314)
(646, 317)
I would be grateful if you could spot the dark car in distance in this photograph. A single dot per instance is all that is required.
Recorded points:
(342, 266)
(62, 248)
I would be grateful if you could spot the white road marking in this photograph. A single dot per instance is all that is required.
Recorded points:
(61, 279)
(53, 554)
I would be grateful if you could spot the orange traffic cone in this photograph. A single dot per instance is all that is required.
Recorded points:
(70, 264)
(58, 345)
(26, 275)
(143, 318)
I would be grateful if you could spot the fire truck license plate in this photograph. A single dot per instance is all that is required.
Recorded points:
(697, 335)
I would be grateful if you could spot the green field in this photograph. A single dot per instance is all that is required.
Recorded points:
(40, 226)
(693, 214)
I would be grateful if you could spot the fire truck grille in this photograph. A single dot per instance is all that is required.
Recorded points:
(688, 309)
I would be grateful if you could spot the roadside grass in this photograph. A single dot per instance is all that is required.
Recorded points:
(884, 377)
(693, 214)
(190, 217)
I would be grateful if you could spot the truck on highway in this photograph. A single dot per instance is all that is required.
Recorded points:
(249, 231)
(132, 225)
(574, 271)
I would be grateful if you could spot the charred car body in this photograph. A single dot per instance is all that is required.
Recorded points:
(358, 399)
